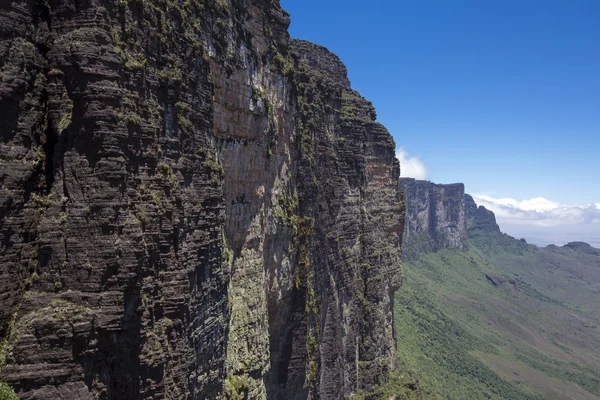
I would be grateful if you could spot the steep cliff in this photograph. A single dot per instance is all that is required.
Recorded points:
(479, 218)
(193, 206)
(435, 215)
(485, 234)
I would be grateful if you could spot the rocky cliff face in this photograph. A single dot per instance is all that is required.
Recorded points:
(435, 214)
(193, 206)
(479, 218)
(485, 233)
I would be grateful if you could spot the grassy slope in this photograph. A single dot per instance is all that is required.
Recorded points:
(467, 339)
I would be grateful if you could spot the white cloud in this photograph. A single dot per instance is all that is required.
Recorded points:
(539, 211)
(411, 167)
(545, 221)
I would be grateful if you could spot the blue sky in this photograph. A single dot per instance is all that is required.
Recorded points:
(501, 95)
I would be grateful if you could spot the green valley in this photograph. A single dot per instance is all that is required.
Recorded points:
(501, 320)
(482, 315)
(466, 338)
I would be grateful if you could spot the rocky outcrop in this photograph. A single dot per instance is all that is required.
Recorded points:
(479, 218)
(193, 206)
(435, 215)
(485, 233)
(582, 247)
(495, 279)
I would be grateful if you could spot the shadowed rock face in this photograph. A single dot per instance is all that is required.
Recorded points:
(479, 218)
(193, 206)
(582, 247)
(435, 214)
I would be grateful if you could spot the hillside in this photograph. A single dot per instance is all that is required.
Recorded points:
(503, 319)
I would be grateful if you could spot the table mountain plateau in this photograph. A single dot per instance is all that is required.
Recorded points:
(497, 318)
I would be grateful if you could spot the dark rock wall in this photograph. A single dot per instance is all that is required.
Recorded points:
(192, 206)
(479, 217)
(484, 232)
(348, 178)
(435, 214)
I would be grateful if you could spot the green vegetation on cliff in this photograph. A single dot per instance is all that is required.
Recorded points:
(6, 392)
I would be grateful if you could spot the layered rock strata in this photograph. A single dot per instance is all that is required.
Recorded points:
(435, 215)
(193, 206)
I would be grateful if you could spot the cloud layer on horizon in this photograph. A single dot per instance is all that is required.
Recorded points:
(539, 211)
(544, 221)
(411, 166)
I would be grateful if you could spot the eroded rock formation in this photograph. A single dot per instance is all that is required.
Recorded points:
(435, 215)
(193, 206)
(479, 218)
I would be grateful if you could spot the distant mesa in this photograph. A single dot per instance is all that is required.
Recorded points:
(435, 215)
(443, 216)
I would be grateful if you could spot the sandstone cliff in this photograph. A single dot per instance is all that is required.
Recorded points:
(193, 206)
(479, 217)
(485, 233)
(435, 215)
